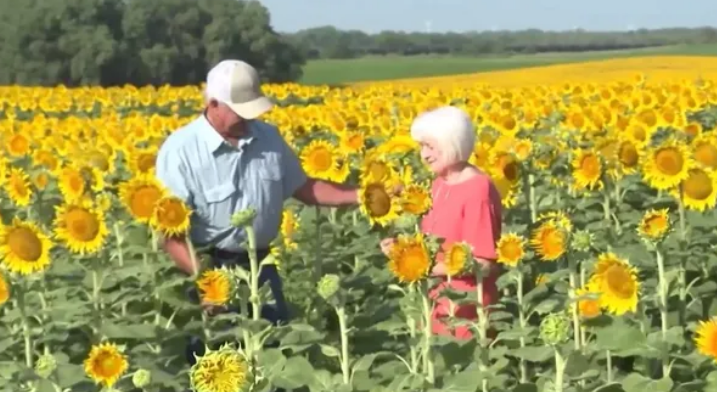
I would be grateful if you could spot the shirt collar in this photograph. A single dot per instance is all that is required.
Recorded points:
(215, 141)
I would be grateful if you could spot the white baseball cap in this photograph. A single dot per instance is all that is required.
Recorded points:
(236, 84)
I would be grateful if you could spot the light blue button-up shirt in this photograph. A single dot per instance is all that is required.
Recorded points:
(217, 180)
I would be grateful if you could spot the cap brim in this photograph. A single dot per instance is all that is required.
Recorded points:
(252, 109)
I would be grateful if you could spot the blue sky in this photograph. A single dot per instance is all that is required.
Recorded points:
(463, 15)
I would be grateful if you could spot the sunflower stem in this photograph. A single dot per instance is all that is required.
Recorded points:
(96, 287)
(608, 361)
(482, 327)
(345, 359)
(413, 333)
(523, 324)
(120, 258)
(559, 369)
(682, 273)
(428, 367)
(255, 270)
(26, 333)
(574, 308)
(662, 291)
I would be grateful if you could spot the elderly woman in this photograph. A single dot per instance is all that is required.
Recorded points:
(466, 207)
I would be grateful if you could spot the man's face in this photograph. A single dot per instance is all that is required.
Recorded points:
(226, 119)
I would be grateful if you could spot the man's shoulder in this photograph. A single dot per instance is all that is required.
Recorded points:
(268, 129)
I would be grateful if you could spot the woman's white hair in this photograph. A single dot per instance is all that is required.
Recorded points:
(451, 128)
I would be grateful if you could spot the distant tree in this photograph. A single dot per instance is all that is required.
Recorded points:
(110, 42)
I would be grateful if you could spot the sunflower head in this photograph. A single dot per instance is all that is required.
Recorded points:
(170, 216)
(667, 165)
(4, 289)
(18, 187)
(105, 364)
(410, 259)
(706, 338)
(377, 202)
(587, 170)
(415, 199)
(549, 241)
(24, 248)
(589, 304)
(511, 249)
(319, 159)
(139, 195)
(223, 370)
(458, 259)
(289, 227)
(616, 281)
(655, 225)
(81, 227)
(699, 189)
(216, 286)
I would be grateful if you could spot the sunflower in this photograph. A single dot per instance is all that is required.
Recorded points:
(352, 141)
(376, 169)
(587, 169)
(142, 161)
(706, 338)
(289, 226)
(628, 157)
(511, 249)
(398, 144)
(588, 308)
(319, 159)
(559, 218)
(505, 165)
(666, 166)
(549, 241)
(4, 289)
(458, 259)
(17, 187)
(699, 190)
(616, 281)
(377, 203)
(654, 224)
(170, 216)
(139, 195)
(72, 183)
(215, 286)
(224, 370)
(81, 227)
(24, 249)
(705, 150)
(105, 364)
(415, 199)
(18, 145)
(409, 258)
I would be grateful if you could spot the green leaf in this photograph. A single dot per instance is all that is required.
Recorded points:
(364, 364)
(711, 382)
(638, 383)
(330, 351)
(136, 331)
(69, 374)
(534, 354)
(620, 337)
(467, 380)
(297, 373)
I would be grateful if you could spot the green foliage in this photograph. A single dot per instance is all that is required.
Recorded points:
(108, 43)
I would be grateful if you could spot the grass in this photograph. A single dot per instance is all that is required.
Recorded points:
(336, 72)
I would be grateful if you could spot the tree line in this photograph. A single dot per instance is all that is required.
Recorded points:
(175, 42)
(139, 42)
(329, 42)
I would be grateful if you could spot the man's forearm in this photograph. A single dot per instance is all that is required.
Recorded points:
(319, 192)
(178, 250)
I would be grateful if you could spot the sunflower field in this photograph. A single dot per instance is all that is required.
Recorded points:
(607, 250)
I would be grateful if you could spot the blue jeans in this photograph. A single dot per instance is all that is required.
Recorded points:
(276, 314)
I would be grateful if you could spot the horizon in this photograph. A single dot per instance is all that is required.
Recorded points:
(466, 16)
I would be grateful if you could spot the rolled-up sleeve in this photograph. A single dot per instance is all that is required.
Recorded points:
(293, 176)
(172, 173)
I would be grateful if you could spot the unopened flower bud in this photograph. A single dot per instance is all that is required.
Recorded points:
(582, 240)
(45, 366)
(328, 286)
(555, 328)
(243, 218)
(141, 378)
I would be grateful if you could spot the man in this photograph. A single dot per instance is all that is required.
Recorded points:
(226, 161)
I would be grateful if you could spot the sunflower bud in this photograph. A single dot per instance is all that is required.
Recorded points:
(141, 378)
(243, 218)
(328, 286)
(555, 328)
(406, 222)
(582, 240)
(45, 366)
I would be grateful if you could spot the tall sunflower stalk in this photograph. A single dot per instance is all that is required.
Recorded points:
(554, 331)
(328, 288)
(482, 325)
(653, 229)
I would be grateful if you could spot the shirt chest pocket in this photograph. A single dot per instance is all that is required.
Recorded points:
(269, 186)
(220, 201)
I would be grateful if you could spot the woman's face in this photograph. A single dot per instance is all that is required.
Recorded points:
(432, 155)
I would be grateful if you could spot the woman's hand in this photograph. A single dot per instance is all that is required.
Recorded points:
(439, 269)
(387, 244)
